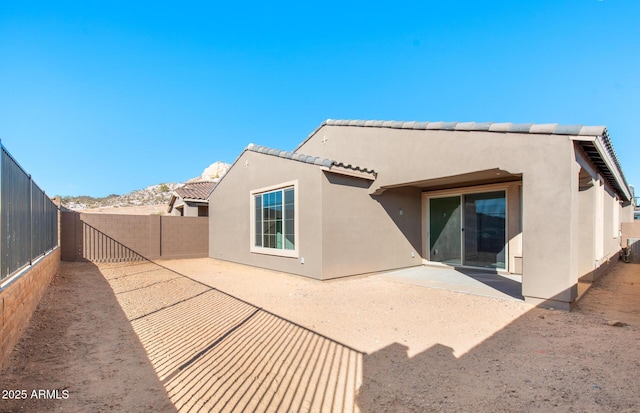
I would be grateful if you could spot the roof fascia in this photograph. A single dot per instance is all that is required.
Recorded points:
(606, 157)
(602, 150)
(348, 172)
(196, 200)
(172, 201)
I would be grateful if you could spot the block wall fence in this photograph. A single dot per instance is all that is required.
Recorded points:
(112, 237)
(630, 230)
(630, 237)
(19, 298)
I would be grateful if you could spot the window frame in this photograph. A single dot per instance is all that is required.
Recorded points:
(292, 253)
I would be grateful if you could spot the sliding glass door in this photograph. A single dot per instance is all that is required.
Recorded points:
(445, 230)
(468, 229)
(484, 229)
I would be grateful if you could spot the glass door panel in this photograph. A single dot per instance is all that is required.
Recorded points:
(445, 226)
(484, 229)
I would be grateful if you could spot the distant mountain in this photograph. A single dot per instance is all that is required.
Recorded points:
(151, 195)
(213, 172)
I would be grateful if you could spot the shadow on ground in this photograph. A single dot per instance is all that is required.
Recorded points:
(543, 361)
(80, 341)
(215, 352)
(505, 285)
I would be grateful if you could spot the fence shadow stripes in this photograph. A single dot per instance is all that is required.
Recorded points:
(99, 247)
(216, 352)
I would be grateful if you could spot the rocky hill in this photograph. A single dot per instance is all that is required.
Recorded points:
(151, 195)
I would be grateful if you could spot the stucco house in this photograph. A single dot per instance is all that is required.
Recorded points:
(191, 199)
(544, 201)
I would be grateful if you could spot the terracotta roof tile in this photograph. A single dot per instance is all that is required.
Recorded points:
(196, 190)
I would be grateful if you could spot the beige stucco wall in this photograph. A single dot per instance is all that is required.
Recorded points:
(363, 233)
(514, 227)
(189, 209)
(550, 194)
(586, 230)
(611, 236)
(229, 213)
(599, 224)
(178, 208)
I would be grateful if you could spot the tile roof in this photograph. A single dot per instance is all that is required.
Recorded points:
(599, 132)
(313, 160)
(196, 190)
(547, 128)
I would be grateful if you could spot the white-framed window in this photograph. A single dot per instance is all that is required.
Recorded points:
(274, 220)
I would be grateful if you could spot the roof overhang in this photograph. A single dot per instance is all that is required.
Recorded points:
(196, 200)
(356, 173)
(485, 177)
(600, 152)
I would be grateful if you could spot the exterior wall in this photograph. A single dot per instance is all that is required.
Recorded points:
(363, 233)
(186, 209)
(230, 209)
(19, 298)
(544, 161)
(627, 214)
(600, 216)
(514, 227)
(611, 235)
(190, 209)
(151, 236)
(586, 229)
(178, 208)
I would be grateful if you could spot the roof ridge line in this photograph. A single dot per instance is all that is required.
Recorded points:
(308, 159)
(504, 127)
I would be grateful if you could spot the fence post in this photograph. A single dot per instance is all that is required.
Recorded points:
(30, 220)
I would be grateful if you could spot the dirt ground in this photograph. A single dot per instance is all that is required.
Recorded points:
(207, 335)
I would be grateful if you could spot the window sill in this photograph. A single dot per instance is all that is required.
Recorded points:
(276, 252)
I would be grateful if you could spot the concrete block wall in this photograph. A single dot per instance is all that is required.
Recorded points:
(184, 237)
(138, 232)
(70, 236)
(150, 236)
(19, 298)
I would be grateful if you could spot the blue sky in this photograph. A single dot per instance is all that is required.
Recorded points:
(106, 97)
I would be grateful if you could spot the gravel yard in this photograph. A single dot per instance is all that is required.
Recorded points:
(207, 335)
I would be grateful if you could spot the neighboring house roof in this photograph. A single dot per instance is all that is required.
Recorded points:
(196, 190)
(192, 191)
(327, 164)
(594, 140)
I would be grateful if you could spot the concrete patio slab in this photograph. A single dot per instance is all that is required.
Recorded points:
(463, 280)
